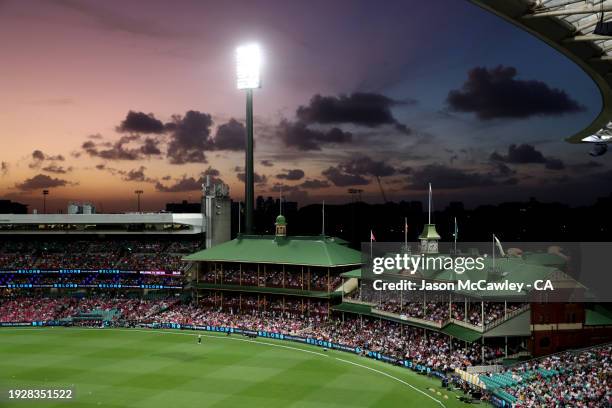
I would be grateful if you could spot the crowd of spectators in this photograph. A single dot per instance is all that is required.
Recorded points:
(26, 309)
(435, 306)
(29, 309)
(439, 312)
(314, 280)
(581, 379)
(270, 304)
(95, 254)
(428, 348)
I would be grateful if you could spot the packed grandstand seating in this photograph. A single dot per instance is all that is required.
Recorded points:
(29, 309)
(314, 280)
(436, 308)
(569, 379)
(95, 254)
(439, 312)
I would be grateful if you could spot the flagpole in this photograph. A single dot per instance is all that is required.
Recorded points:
(455, 234)
(429, 207)
(406, 234)
(323, 227)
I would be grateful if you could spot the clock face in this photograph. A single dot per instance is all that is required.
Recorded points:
(433, 246)
(424, 247)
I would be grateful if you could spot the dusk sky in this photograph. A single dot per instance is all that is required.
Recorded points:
(98, 99)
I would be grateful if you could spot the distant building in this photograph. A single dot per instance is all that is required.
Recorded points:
(11, 207)
(81, 208)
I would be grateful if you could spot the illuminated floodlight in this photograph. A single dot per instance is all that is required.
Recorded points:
(248, 66)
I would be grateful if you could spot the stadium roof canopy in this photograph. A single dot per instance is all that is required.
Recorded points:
(128, 223)
(567, 26)
(268, 249)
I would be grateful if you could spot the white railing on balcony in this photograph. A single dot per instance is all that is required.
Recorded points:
(431, 323)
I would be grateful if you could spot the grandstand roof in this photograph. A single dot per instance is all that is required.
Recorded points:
(307, 251)
(110, 224)
(567, 26)
(461, 333)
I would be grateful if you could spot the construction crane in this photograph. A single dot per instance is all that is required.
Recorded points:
(382, 191)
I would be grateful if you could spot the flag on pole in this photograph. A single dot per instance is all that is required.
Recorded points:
(372, 238)
(499, 245)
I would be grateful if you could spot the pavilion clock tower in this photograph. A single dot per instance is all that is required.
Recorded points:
(281, 226)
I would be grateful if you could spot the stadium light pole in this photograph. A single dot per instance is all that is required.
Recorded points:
(45, 194)
(138, 193)
(248, 67)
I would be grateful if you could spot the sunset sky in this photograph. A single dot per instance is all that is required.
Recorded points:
(98, 99)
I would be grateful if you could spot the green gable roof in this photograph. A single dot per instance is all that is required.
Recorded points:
(307, 251)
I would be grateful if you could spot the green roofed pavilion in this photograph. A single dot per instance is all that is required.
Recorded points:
(307, 251)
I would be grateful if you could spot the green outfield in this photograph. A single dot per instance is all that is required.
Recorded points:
(150, 369)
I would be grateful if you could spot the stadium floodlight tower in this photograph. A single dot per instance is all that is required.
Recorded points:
(248, 70)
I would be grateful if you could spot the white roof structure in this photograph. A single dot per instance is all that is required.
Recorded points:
(108, 224)
(567, 25)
